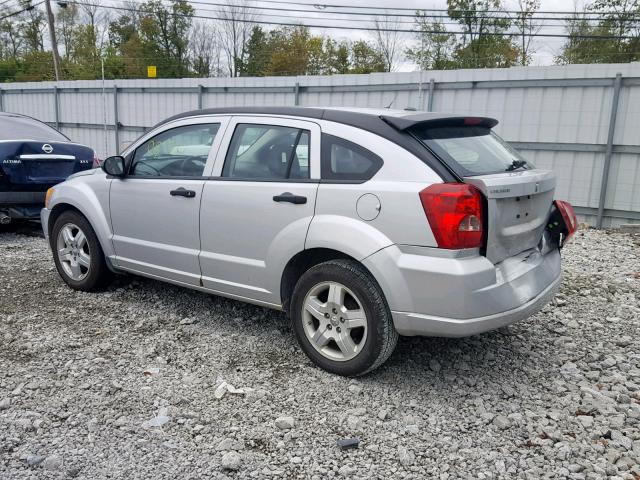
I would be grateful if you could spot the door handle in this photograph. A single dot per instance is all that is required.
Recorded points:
(182, 192)
(291, 198)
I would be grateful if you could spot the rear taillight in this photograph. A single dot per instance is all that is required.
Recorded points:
(569, 217)
(96, 160)
(455, 214)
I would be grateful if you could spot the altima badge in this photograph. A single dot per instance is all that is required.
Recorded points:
(46, 148)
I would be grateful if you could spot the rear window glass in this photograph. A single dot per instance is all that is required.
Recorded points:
(23, 128)
(470, 150)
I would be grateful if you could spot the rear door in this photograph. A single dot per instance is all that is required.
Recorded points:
(155, 208)
(258, 206)
(519, 196)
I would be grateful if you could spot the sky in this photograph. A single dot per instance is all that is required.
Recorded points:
(546, 48)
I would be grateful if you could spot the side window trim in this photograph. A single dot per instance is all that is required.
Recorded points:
(223, 120)
(131, 156)
(233, 145)
(326, 173)
(303, 123)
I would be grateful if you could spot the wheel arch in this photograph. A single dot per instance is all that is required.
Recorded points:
(99, 225)
(303, 261)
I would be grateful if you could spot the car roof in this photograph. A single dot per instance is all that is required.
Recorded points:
(358, 117)
(387, 123)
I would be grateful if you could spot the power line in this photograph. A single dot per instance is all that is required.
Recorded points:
(440, 12)
(13, 14)
(369, 21)
(370, 29)
(409, 9)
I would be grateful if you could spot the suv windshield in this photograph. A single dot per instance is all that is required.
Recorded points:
(471, 150)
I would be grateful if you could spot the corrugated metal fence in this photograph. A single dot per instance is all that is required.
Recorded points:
(583, 121)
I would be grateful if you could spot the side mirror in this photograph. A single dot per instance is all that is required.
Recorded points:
(114, 166)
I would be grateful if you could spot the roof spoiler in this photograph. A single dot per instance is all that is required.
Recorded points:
(433, 120)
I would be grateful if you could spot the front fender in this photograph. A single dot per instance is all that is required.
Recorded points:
(92, 200)
(353, 237)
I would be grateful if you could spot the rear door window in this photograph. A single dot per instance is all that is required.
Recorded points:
(343, 160)
(267, 152)
(471, 150)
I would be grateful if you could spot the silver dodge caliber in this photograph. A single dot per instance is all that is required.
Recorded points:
(361, 224)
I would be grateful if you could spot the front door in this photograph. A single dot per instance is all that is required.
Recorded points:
(155, 208)
(257, 208)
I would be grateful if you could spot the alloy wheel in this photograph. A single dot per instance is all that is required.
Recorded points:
(73, 252)
(334, 321)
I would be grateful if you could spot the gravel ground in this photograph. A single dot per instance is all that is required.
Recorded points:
(129, 384)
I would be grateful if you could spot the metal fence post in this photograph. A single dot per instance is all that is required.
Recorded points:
(56, 106)
(432, 87)
(296, 93)
(609, 150)
(115, 119)
(200, 96)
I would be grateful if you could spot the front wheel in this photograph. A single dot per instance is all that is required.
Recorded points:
(341, 319)
(77, 253)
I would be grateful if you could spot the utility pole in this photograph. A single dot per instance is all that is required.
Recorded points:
(54, 42)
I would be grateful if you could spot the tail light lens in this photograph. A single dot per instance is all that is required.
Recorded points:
(96, 160)
(456, 214)
(569, 217)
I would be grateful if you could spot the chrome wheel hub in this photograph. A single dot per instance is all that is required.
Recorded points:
(334, 321)
(73, 252)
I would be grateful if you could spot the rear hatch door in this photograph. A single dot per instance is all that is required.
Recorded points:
(519, 196)
(518, 206)
(35, 165)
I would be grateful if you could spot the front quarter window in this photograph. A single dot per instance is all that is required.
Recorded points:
(178, 152)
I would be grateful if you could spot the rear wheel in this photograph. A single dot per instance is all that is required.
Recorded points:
(77, 253)
(341, 319)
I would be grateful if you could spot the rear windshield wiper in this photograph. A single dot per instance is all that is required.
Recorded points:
(516, 164)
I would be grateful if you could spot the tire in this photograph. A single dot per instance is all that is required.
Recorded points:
(344, 290)
(93, 274)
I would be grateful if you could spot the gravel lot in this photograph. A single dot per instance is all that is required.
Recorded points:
(127, 384)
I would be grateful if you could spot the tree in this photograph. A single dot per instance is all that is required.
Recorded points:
(387, 40)
(484, 42)
(236, 28)
(11, 40)
(435, 44)
(66, 20)
(335, 57)
(618, 28)
(33, 25)
(257, 54)
(289, 48)
(366, 59)
(164, 34)
(526, 26)
(204, 50)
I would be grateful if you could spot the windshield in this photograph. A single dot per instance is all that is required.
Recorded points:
(25, 128)
(471, 150)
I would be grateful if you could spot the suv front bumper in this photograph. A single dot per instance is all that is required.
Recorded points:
(431, 294)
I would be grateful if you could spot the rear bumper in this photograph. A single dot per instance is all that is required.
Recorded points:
(417, 324)
(432, 295)
(22, 205)
(22, 198)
